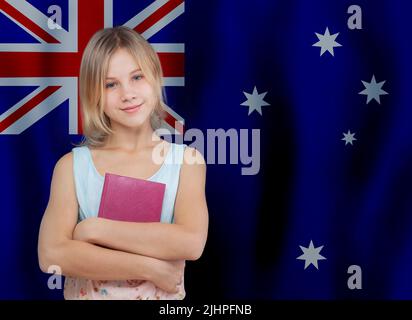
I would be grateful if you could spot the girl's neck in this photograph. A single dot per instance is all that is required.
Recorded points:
(129, 140)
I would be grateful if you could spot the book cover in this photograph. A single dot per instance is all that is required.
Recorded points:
(131, 199)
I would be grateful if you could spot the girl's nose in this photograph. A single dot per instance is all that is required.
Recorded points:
(127, 94)
(128, 97)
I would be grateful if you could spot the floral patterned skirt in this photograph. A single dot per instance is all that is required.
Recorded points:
(83, 289)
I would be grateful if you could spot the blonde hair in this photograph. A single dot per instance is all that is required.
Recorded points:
(93, 71)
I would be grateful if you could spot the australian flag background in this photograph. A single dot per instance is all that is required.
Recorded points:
(327, 83)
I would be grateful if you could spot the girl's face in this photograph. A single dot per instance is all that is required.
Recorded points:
(129, 98)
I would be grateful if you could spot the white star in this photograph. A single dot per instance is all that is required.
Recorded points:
(255, 101)
(373, 90)
(327, 42)
(311, 255)
(349, 137)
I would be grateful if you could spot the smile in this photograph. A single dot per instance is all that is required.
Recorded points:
(132, 108)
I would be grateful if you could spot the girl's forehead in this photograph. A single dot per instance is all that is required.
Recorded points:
(121, 56)
(122, 61)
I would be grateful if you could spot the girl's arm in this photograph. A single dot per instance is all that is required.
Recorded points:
(185, 239)
(56, 246)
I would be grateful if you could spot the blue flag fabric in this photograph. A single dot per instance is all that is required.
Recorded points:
(327, 215)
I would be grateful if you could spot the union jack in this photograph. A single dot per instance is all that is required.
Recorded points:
(53, 63)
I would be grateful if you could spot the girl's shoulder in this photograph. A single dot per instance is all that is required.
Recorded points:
(79, 152)
(65, 160)
(192, 156)
(79, 149)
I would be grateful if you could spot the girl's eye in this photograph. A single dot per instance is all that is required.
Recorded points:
(110, 85)
(138, 77)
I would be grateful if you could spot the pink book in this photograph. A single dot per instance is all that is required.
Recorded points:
(131, 199)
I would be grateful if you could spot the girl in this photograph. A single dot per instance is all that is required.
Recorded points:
(122, 105)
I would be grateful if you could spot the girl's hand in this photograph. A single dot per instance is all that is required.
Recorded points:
(84, 230)
(168, 275)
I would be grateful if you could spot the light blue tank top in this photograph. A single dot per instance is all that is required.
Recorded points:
(89, 182)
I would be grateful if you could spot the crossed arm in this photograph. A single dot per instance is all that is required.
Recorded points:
(104, 249)
(184, 239)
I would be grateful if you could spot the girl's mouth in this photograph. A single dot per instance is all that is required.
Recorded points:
(131, 109)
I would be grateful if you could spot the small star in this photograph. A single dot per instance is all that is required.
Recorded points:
(373, 90)
(255, 101)
(311, 255)
(327, 42)
(349, 137)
